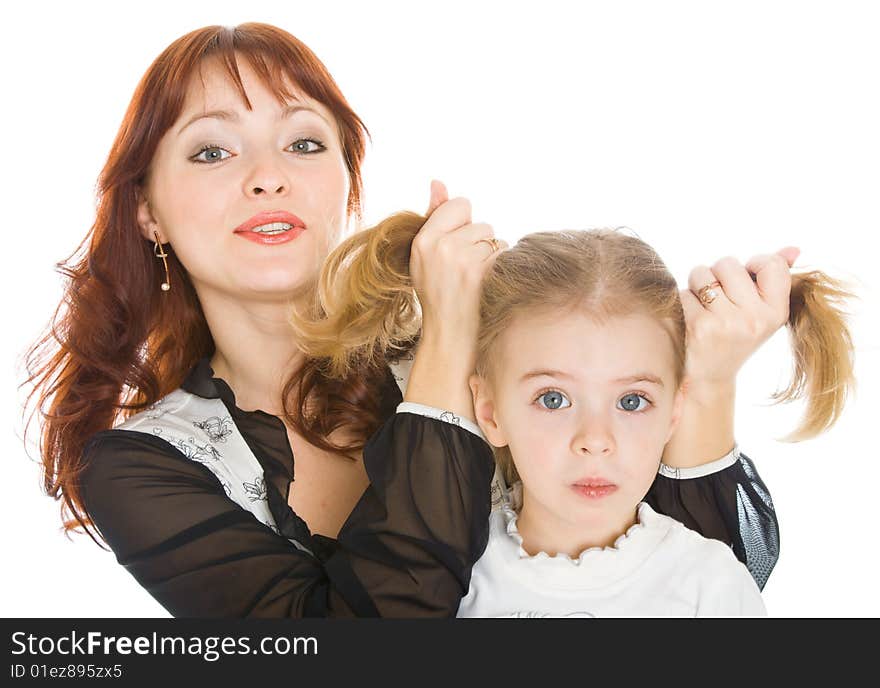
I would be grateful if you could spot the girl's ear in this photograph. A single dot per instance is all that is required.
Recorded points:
(146, 220)
(484, 409)
(677, 407)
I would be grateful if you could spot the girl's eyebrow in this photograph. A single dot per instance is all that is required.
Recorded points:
(629, 379)
(547, 372)
(232, 116)
(640, 377)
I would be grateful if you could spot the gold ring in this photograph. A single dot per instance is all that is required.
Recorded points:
(708, 294)
(493, 242)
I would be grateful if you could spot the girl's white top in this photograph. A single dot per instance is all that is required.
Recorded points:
(657, 568)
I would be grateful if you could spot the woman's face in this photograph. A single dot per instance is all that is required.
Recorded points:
(251, 201)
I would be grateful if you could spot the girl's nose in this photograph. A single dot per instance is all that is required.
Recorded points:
(594, 438)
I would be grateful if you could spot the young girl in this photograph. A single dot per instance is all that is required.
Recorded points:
(579, 385)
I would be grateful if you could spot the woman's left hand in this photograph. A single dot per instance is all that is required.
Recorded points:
(737, 313)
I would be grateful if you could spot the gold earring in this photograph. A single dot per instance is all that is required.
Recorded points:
(159, 252)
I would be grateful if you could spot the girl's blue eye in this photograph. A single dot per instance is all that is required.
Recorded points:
(211, 154)
(632, 402)
(553, 400)
(306, 146)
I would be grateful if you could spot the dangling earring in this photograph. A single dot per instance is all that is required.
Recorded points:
(159, 252)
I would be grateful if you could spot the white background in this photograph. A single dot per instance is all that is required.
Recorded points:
(709, 128)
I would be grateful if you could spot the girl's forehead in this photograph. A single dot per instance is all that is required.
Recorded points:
(581, 343)
(578, 321)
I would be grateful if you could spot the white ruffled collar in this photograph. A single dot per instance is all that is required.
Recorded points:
(595, 566)
(623, 541)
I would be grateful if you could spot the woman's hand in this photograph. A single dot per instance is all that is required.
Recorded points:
(725, 330)
(734, 317)
(450, 256)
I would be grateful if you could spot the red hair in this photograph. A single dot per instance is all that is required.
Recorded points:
(117, 343)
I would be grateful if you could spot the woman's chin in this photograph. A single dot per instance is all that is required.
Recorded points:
(271, 285)
(283, 289)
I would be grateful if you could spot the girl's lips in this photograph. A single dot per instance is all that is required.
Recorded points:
(594, 490)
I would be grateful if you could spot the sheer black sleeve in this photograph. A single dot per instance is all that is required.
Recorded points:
(406, 549)
(731, 505)
(425, 515)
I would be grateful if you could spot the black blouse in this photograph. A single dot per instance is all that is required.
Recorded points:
(406, 549)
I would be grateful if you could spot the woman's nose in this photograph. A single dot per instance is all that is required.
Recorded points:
(266, 179)
(266, 189)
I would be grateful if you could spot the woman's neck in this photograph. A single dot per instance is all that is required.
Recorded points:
(255, 349)
(544, 531)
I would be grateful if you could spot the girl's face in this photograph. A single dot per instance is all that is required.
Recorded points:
(586, 408)
(222, 171)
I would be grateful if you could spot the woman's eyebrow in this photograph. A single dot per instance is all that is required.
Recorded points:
(228, 115)
(232, 116)
(299, 107)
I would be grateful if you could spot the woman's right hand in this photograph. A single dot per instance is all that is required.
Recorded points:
(450, 256)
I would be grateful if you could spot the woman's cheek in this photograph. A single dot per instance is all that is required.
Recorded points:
(326, 215)
(190, 205)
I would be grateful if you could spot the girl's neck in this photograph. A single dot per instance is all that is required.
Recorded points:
(543, 531)
(255, 349)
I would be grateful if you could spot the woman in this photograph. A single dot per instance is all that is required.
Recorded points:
(234, 173)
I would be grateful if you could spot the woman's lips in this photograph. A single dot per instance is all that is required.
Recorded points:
(271, 239)
(250, 229)
(594, 489)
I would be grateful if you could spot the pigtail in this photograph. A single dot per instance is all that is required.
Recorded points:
(365, 304)
(823, 352)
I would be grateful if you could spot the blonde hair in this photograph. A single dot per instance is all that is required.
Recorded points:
(824, 358)
(365, 309)
(367, 312)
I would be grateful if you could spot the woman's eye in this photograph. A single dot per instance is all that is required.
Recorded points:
(632, 402)
(306, 146)
(553, 400)
(211, 154)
